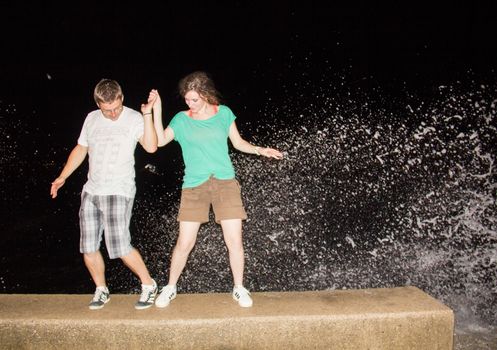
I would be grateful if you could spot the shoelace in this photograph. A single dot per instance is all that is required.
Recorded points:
(146, 292)
(169, 292)
(99, 295)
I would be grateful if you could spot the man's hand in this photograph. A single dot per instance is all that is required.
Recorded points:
(146, 108)
(157, 102)
(58, 183)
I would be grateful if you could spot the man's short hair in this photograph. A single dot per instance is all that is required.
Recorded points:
(107, 91)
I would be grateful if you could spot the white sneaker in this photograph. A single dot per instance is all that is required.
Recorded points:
(167, 294)
(147, 296)
(100, 298)
(242, 295)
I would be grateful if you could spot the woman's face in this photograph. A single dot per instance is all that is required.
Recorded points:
(194, 101)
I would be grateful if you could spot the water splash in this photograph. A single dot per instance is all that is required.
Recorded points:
(372, 193)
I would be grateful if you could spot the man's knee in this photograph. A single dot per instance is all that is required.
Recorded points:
(131, 253)
(92, 255)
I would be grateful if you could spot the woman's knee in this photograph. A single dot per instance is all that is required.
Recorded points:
(184, 246)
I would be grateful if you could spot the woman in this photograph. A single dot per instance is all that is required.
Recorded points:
(202, 131)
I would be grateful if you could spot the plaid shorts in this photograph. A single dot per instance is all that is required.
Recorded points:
(111, 214)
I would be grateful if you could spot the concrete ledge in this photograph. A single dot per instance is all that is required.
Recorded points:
(395, 318)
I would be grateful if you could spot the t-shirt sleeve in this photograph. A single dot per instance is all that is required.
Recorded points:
(229, 118)
(83, 136)
(175, 124)
(138, 128)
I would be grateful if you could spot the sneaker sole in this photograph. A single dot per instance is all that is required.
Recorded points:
(99, 307)
(142, 307)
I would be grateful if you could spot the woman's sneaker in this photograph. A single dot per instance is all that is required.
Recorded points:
(147, 297)
(167, 294)
(100, 298)
(242, 295)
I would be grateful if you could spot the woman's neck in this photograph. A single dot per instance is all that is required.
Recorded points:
(206, 112)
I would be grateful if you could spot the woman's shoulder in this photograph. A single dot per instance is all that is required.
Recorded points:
(225, 110)
(178, 118)
(180, 114)
(185, 113)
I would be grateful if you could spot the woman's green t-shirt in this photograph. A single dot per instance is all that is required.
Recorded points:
(204, 144)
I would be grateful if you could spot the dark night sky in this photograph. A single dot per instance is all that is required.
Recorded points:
(245, 31)
(145, 44)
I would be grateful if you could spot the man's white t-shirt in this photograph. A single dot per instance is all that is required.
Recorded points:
(111, 147)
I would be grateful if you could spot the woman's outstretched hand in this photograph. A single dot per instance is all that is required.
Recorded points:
(270, 153)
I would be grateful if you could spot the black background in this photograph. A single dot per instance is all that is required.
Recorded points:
(146, 44)
(54, 53)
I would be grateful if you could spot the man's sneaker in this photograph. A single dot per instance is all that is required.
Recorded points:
(100, 298)
(147, 297)
(242, 295)
(167, 294)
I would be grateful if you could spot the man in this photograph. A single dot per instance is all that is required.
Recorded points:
(109, 136)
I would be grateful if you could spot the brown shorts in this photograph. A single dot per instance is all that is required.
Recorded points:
(224, 195)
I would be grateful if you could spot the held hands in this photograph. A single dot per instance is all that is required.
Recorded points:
(158, 103)
(153, 96)
(269, 152)
(58, 183)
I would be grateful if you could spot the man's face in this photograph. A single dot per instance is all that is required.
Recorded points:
(112, 110)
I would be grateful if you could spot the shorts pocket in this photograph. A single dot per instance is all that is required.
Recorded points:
(190, 199)
(231, 194)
